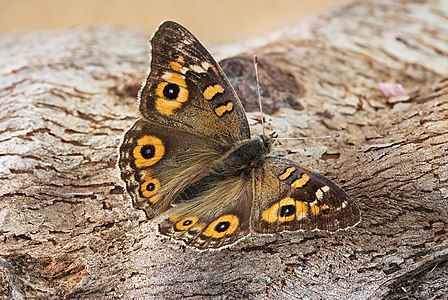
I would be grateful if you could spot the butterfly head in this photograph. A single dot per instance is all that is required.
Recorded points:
(268, 141)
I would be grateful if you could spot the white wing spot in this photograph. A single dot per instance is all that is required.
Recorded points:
(319, 194)
(205, 65)
(197, 69)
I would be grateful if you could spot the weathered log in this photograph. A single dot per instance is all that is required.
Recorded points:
(69, 230)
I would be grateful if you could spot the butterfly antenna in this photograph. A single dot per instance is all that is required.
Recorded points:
(258, 91)
(325, 137)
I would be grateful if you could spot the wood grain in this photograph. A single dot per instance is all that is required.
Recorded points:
(68, 228)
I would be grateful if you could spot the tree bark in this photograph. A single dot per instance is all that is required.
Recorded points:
(69, 230)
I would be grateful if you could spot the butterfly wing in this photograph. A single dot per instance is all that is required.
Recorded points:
(215, 219)
(191, 116)
(289, 198)
(158, 162)
(187, 89)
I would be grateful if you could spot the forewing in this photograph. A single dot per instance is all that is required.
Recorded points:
(289, 197)
(187, 89)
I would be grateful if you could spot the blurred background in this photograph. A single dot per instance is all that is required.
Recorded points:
(213, 21)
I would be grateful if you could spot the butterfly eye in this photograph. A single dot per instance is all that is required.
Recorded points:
(224, 225)
(149, 151)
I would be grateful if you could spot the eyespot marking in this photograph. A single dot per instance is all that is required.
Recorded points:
(149, 151)
(172, 93)
(287, 173)
(212, 90)
(220, 110)
(300, 182)
(222, 226)
(149, 189)
(186, 223)
(285, 210)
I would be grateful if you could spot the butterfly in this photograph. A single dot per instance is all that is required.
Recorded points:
(191, 157)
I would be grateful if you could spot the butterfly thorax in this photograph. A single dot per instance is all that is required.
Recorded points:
(242, 158)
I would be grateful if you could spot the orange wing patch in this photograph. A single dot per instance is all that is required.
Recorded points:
(222, 109)
(212, 90)
(300, 182)
(285, 175)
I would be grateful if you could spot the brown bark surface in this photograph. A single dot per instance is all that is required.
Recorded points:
(69, 230)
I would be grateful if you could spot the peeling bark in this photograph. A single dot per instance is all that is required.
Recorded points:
(68, 228)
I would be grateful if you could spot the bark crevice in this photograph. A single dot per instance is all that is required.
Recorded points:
(69, 230)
